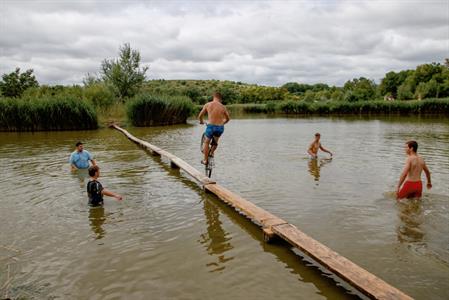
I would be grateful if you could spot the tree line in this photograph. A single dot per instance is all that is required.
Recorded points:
(122, 78)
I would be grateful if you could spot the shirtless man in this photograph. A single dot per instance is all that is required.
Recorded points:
(217, 115)
(414, 165)
(315, 146)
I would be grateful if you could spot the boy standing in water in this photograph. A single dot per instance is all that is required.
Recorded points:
(414, 165)
(95, 190)
(315, 146)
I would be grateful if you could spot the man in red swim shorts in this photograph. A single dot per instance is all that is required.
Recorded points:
(414, 165)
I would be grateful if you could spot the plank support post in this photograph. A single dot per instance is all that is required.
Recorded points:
(173, 165)
(268, 235)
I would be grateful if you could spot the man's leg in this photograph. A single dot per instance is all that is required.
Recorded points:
(206, 150)
(215, 146)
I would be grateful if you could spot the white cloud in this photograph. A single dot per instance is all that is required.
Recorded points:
(268, 42)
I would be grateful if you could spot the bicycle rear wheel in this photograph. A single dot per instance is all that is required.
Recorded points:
(203, 139)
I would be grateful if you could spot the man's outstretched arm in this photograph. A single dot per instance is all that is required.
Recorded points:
(325, 150)
(111, 194)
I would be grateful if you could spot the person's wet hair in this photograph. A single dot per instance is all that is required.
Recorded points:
(93, 170)
(317, 134)
(413, 145)
(79, 143)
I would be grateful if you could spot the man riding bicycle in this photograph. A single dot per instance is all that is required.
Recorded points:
(217, 115)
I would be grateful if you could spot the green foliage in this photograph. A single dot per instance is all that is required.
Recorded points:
(46, 113)
(361, 89)
(429, 106)
(99, 95)
(124, 74)
(15, 83)
(154, 110)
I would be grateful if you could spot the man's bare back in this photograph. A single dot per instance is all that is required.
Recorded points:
(217, 113)
(416, 165)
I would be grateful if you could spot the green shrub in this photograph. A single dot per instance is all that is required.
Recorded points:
(46, 113)
(100, 95)
(154, 110)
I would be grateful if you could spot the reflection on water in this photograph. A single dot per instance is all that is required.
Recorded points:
(411, 217)
(216, 240)
(82, 175)
(97, 219)
(315, 167)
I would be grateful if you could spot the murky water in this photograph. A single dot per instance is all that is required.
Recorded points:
(168, 239)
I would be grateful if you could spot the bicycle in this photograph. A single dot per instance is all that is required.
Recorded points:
(210, 160)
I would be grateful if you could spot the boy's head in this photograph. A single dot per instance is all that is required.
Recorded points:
(217, 96)
(94, 171)
(317, 136)
(79, 146)
(411, 146)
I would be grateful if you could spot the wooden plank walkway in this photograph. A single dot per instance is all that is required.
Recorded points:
(362, 280)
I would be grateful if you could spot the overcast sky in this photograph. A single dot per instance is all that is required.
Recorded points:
(264, 42)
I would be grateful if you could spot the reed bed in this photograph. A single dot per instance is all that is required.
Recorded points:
(154, 110)
(414, 107)
(47, 113)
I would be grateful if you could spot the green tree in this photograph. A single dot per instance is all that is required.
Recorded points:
(15, 83)
(360, 89)
(407, 89)
(124, 74)
(391, 82)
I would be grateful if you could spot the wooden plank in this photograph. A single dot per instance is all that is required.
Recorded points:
(174, 160)
(255, 213)
(192, 171)
(365, 282)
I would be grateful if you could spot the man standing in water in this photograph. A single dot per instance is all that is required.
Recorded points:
(79, 159)
(217, 115)
(414, 165)
(315, 146)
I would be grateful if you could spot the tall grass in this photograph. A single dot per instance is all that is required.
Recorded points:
(46, 113)
(154, 110)
(428, 106)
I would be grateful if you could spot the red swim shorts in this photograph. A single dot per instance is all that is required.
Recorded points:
(411, 189)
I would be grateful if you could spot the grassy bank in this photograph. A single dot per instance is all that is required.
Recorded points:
(46, 113)
(428, 106)
(155, 110)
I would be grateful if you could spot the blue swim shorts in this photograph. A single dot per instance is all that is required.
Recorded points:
(214, 130)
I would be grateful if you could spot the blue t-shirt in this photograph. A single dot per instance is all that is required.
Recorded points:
(80, 159)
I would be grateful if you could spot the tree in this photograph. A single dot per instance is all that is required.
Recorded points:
(15, 83)
(391, 82)
(361, 89)
(124, 74)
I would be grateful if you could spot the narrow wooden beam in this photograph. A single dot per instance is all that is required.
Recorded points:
(356, 276)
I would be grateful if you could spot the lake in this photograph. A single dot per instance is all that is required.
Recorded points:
(168, 239)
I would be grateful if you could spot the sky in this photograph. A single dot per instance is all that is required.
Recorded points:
(262, 42)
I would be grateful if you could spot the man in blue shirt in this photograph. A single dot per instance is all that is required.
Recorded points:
(79, 159)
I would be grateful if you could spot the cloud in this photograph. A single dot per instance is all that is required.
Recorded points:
(267, 42)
